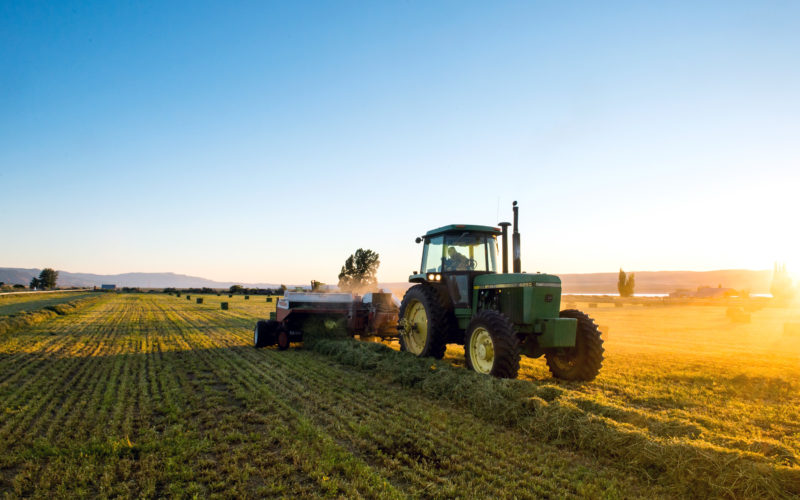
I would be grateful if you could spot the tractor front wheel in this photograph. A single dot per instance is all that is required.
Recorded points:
(491, 346)
(424, 322)
(584, 360)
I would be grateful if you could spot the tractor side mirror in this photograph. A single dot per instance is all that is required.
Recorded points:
(418, 240)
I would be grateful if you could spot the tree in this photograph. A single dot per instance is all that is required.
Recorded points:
(359, 271)
(235, 289)
(317, 286)
(625, 284)
(48, 278)
(35, 283)
(781, 287)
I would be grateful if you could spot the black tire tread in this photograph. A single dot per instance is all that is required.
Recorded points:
(266, 331)
(506, 343)
(439, 319)
(259, 337)
(589, 344)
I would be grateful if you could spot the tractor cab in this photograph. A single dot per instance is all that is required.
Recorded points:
(454, 255)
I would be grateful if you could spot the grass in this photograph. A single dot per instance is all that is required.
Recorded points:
(14, 304)
(48, 309)
(153, 395)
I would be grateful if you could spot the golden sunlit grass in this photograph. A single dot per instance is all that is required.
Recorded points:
(737, 384)
(692, 366)
(16, 303)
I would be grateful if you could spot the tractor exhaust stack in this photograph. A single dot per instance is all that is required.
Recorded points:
(505, 225)
(516, 251)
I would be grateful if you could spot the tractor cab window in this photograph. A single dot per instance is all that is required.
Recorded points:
(432, 255)
(470, 252)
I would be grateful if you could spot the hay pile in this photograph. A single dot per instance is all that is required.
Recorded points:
(677, 457)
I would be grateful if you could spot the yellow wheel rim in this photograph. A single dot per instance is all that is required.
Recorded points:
(415, 332)
(481, 350)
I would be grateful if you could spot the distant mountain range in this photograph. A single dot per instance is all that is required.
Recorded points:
(10, 275)
(646, 281)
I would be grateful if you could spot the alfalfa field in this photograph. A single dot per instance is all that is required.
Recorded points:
(152, 395)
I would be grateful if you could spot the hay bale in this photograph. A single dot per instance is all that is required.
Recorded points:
(199, 300)
(223, 306)
(269, 299)
(230, 295)
(593, 306)
(738, 315)
(188, 297)
(791, 329)
(618, 304)
(178, 294)
(246, 297)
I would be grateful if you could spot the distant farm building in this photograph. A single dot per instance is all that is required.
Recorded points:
(108, 287)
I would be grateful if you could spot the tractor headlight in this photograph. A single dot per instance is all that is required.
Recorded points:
(434, 277)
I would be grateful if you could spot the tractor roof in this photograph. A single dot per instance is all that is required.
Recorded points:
(460, 228)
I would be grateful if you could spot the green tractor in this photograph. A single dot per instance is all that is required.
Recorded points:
(460, 298)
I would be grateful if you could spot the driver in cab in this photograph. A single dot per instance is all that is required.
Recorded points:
(456, 262)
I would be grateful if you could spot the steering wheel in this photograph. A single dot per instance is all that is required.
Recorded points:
(472, 264)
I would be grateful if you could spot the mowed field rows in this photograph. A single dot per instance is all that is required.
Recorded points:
(23, 302)
(147, 395)
(154, 395)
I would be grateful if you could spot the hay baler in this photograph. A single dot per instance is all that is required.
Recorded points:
(374, 315)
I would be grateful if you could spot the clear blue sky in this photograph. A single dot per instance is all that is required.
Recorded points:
(266, 141)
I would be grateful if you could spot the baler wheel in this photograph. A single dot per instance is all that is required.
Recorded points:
(283, 339)
(491, 346)
(264, 333)
(582, 362)
(425, 322)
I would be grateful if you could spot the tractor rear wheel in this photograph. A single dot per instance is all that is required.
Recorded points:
(584, 360)
(491, 347)
(424, 322)
(264, 334)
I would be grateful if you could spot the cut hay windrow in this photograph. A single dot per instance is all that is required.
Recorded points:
(29, 318)
(679, 459)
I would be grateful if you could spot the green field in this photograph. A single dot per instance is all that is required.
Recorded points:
(154, 395)
(16, 303)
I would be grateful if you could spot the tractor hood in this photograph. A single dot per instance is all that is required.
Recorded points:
(516, 280)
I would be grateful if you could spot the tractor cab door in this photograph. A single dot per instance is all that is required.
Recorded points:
(459, 283)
